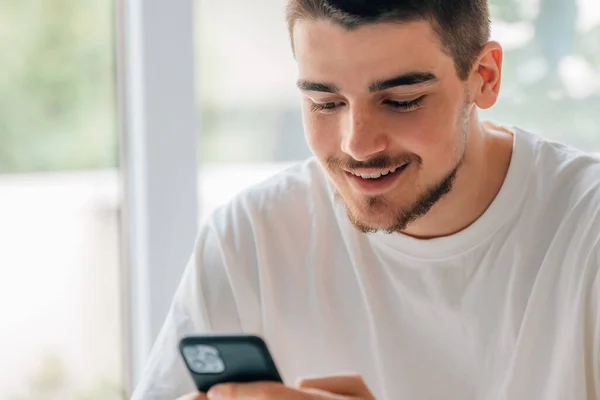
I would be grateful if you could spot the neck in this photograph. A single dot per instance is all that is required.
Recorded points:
(479, 179)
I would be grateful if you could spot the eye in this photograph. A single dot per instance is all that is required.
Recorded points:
(325, 107)
(405, 105)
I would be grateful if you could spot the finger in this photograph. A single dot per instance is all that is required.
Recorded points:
(348, 385)
(259, 391)
(319, 394)
(194, 396)
(246, 391)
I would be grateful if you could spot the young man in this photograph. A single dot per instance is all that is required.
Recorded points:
(426, 253)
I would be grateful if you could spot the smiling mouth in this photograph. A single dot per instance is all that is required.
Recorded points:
(376, 176)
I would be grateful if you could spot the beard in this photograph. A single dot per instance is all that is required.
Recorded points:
(404, 216)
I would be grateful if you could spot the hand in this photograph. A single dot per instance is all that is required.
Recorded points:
(193, 396)
(339, 387)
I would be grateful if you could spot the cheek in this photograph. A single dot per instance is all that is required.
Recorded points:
(420, 132)
(321, 133)
(435, 132)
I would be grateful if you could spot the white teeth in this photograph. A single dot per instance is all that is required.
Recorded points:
(377, 174)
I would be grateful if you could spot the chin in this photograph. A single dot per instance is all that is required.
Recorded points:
(370, 215)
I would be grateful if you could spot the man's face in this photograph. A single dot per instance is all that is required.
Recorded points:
(383, 101)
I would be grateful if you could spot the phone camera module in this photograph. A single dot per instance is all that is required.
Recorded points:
(204, 359)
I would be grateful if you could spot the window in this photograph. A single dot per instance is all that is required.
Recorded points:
(551, 74)
(251, 126)
(59, 202)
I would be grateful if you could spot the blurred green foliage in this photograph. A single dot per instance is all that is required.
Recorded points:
(57, 92)
(544, 104)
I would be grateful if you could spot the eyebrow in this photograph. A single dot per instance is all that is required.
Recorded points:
(411, 78)
(309, 86)
(408, 79)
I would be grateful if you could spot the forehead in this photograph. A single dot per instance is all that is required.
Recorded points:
(327, 51)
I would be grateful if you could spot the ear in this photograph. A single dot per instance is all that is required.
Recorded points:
(486, 75)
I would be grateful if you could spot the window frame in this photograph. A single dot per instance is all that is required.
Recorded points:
(158, 132)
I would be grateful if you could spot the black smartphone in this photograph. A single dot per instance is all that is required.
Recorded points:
(214, 359)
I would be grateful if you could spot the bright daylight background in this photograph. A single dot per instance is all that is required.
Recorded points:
(60, 202)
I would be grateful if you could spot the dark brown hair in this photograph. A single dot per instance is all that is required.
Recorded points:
(463, 26)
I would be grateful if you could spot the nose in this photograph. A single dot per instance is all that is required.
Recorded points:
(362, 136)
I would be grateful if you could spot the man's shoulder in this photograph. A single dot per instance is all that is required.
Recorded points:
(284, 200)
(565, 161)
(567, 183)
(564, 170)
(295, 189)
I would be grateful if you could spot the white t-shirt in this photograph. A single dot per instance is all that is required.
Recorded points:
(507, 309)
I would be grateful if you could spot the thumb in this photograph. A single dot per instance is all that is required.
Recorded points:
(346, 385)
